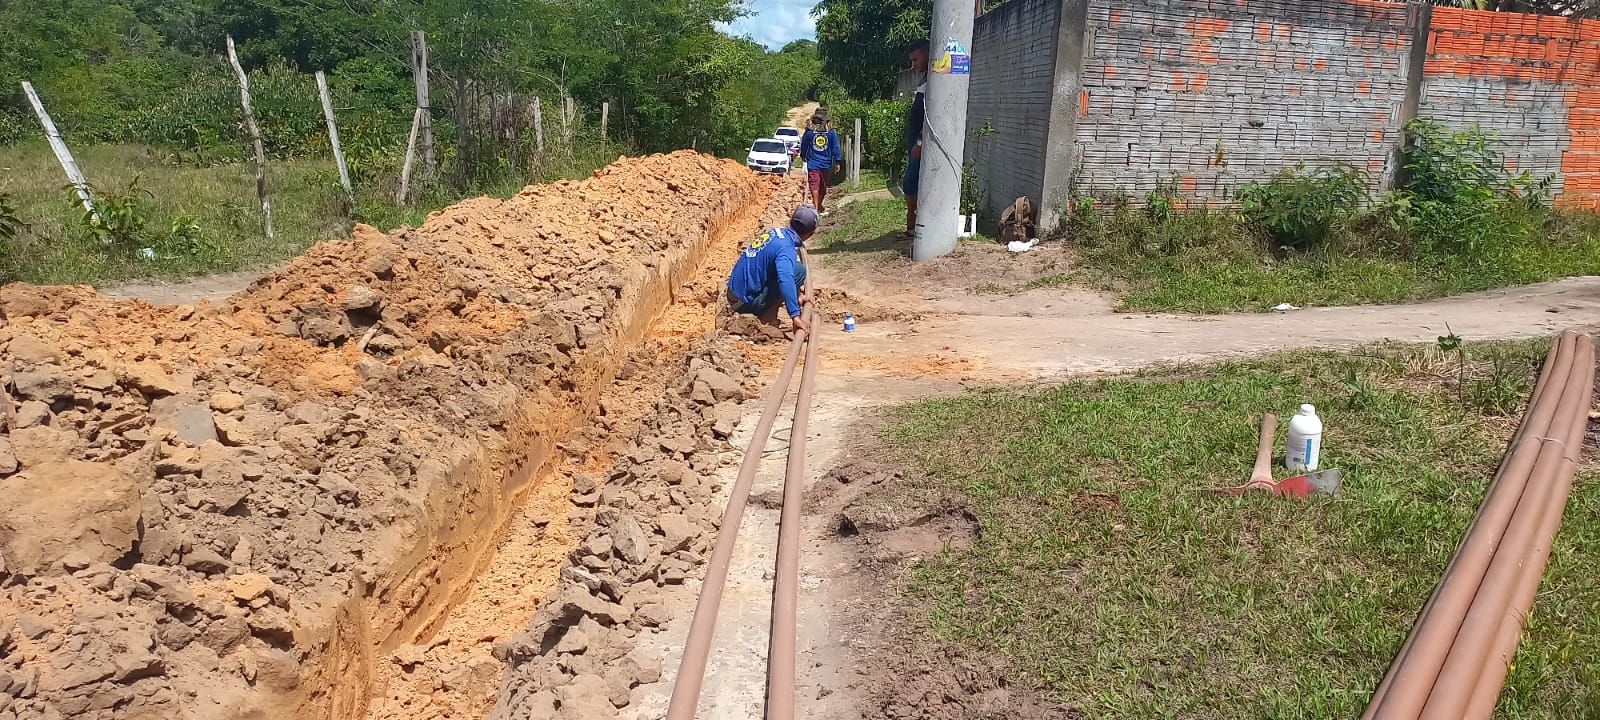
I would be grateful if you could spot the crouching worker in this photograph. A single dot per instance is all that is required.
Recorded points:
(769, 272)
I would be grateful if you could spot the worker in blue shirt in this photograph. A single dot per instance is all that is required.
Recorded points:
(769, 271)
(822, 151)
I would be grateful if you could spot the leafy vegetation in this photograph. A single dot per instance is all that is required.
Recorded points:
(884, 124)
(1458, 223)
(1107, 576)
(148, 78)
(1300, 210)
(198, 219)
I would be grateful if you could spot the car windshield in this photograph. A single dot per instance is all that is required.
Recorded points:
(767, 146)
(790, 132)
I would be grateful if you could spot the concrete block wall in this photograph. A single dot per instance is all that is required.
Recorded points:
(1208, 95)
(1008, 116)
(1534, 81)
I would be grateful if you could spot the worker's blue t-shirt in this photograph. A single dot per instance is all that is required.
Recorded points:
(770, 258)
(821, 150)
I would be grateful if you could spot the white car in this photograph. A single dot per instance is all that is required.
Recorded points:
(768, 155)
(790, 137)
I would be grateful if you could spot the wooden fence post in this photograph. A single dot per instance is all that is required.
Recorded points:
(411, 153)
(538, 124)
(605, 118)
(856, 155)
(569, 114)
(419, 74)
(59, 147)
(333, 137)
(255, 135)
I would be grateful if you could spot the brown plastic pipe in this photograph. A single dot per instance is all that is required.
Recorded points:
(697, 648)
(1464, 666)
(691, 676)
(784, 645)
(1487, 692)
(1404, 690)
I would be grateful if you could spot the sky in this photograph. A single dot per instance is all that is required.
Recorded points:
(775, 23)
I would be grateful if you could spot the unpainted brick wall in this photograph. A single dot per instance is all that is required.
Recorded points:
(1008, 115)
(1207, 96)
(1534, 81)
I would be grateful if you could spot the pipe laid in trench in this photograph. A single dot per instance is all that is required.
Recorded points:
(697, 648)
(1419, 659)
(1445, 665)
(783, 641)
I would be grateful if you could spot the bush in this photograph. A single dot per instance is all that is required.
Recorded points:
(884, 124)
(1300, 210)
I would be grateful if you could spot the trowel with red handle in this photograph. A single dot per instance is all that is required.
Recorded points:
(1321, 482)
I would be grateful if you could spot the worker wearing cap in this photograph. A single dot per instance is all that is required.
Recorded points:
(769, 271)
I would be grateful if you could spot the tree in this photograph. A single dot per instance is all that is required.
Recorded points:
(863, 42)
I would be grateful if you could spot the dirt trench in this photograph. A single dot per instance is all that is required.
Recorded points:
(647, 462)
(245, 509)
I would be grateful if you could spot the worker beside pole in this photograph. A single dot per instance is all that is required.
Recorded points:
(945, 133)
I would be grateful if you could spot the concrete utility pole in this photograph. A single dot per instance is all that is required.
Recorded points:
(945, 134)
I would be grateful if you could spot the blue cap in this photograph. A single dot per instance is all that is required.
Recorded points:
(804, 220)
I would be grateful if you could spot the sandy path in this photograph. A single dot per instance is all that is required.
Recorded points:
(1048, 333)
(215, 288)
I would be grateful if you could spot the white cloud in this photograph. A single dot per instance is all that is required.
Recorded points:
(775, 23)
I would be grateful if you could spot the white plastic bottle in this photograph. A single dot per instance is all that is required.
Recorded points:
(1305, 441)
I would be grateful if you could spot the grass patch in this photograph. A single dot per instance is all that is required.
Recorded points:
(1107, 577)
(871, 179)
(871, 232)
(219, 200)
(1210, 261)
(199, 219)
(866, 230)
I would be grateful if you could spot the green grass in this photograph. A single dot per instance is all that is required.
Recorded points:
(1108, 577)
(51, 248)
(1207, 261)
(869, 230)
(308, 206)
(871, 180)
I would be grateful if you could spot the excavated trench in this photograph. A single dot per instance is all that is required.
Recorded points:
(450, 669)
(277, 507)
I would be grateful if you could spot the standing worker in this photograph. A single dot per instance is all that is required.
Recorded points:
(822, 151)
(769, 270)
(914, 123)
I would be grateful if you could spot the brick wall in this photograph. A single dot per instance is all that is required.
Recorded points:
(1211, 95)
(1208, 95)
(1008, 116)
(1534, 81)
